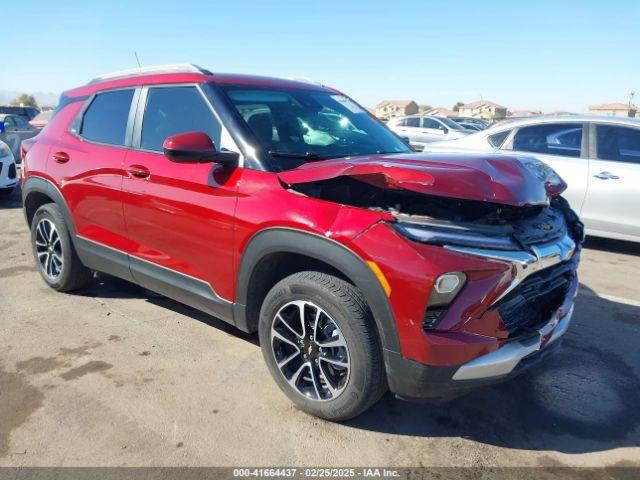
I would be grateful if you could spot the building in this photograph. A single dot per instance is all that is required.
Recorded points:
(396, 108)
(614, 109)
(441, 112)
(525, 113)
(483, 109)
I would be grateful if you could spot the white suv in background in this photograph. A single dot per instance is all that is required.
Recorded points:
(598, 157)
(421, 130)
(8, 176)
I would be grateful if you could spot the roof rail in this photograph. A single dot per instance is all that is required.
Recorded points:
(137, 72)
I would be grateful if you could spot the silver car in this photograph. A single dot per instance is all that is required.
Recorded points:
(424, 129)
(598, 157)
(14, 129)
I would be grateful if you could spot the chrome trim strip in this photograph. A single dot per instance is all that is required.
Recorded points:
(526, 263)
(505, 359)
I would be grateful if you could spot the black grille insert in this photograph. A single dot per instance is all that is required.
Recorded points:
(532, 303)
(12, 171)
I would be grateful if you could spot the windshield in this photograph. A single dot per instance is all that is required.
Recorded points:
(303, 125)
(451, 124)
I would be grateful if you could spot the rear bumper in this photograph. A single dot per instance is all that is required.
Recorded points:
(415, 381)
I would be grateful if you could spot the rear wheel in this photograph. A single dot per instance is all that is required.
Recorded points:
(54, 253)
(319, 341)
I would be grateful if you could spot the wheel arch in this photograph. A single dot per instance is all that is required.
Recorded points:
(269, 246)
(36, 191)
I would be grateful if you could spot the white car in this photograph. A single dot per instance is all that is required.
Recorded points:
(8, 176)
(424, 129)
(598, 157)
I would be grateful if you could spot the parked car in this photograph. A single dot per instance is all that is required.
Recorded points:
(471, 122)
(13, 130)
(8, 177)
(362, 265)
(40, 121)
(598, 157)
(27, 112)
(421, 130)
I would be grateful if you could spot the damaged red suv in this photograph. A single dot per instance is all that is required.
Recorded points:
(285, 208)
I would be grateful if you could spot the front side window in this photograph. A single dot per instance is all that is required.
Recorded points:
(297, 125)
(621, 144)
(563, 139)
(20, 121)
(9, 122)
(451, 124)
(430, 123)
(174, 110)
(105, 121)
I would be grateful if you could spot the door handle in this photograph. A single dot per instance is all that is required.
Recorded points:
(60, 157)
(138, 171)
(606, 176)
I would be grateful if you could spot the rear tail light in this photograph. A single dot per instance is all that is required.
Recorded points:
(23, 152)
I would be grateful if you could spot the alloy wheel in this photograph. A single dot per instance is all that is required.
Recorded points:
(49, 249)
(310, 350)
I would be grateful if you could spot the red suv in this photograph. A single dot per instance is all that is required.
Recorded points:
(285, 208)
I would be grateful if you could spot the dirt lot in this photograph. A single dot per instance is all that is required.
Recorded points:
(113, 375)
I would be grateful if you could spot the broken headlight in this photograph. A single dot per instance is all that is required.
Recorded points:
(547, 175)
(439, 235)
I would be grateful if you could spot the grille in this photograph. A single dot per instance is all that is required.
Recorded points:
(12, 171)
(532, 303)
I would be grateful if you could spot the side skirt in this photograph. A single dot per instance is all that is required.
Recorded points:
(183, 288)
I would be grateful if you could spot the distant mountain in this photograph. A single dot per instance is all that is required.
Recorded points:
(43, 99)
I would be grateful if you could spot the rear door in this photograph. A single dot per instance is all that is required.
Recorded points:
(87, 164)
(613, 196)
(564, 147)
(179, 216)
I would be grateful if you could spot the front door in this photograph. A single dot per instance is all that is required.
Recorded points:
(613, 196)
(179, 216)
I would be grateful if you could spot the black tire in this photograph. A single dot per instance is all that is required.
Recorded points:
(347, 309)
(73, 274)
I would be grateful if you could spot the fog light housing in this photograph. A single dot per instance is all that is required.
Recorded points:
(444, 291)
(445, 288)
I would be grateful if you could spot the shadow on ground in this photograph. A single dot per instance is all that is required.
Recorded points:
(11, 201)
(613, 246)
(584, 398)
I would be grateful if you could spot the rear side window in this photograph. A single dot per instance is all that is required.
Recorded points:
(174, 110)
(618, 143)
(413, 122)
(497, 139)
(563, 139)
(105, 121)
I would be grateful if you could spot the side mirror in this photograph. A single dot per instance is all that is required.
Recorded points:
(406, 140)
(196, 147)
(445, 130)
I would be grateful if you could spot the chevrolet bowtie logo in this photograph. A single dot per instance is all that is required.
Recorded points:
(547, 227)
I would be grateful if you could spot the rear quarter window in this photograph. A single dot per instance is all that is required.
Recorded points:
(497, 139)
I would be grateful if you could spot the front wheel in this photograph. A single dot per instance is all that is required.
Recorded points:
(320, 343)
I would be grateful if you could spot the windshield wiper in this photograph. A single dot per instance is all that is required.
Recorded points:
(303, 156)
(306, 156)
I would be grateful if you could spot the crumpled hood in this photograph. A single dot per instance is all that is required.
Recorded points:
(491, 178)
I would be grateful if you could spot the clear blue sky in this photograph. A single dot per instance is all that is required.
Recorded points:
(523, 54)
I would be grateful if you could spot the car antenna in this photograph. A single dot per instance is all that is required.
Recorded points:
(137, 59)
